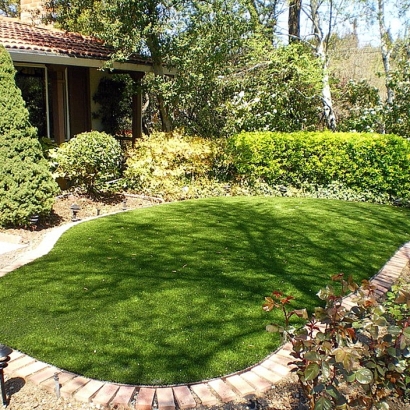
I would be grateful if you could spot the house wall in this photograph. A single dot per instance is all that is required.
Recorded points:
(31, 11)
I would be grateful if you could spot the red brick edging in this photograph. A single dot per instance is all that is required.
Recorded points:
(257, 379)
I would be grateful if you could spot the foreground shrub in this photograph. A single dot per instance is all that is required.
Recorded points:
(88, 161)
(26, 185)
(366, 346)
(171, 166)
(365, 163)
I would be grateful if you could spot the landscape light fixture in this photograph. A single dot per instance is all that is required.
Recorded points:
(74, 209)
(283, 190)
(124, 204)
(5, 351)
(33, 221)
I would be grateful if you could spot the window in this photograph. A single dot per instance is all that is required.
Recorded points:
(32, 81)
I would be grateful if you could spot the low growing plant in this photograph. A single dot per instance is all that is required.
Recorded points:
(366, 347)
(88, 161)
(171, 165)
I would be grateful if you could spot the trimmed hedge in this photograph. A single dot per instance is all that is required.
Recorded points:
(374, 163)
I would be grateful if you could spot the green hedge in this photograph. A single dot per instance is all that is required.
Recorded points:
(374, 163)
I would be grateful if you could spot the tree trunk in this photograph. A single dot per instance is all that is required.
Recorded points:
(321, 52)
(385, 48)
(295, 7)
(158, 69)
(327, 100)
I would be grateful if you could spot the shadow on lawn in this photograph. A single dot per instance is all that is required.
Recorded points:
(174, 294)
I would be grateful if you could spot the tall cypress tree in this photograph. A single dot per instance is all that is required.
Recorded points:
(27, 187)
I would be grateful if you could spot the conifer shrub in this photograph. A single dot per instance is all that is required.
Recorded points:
(26, 184)
(88, 161)
(375, 164)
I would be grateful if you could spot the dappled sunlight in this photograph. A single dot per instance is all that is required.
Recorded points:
(173, 294)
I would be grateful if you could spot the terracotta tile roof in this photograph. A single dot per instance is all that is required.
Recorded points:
(18, 36)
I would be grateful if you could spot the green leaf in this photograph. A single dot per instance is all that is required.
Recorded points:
(394, 330)
(325, 370)
(312, 356)
(311, 371)
(364, 376)
(323, 404)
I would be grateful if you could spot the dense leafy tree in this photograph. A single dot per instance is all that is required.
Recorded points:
(277, 90)
(142, 26)
(209, 51)
(10, 8)
(26, 185)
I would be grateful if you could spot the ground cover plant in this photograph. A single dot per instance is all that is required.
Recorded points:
(173, 293)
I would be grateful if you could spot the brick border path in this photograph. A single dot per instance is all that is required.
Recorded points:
(257, 379)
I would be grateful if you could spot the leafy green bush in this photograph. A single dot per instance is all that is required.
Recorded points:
(170, 166)
(88, 161)
(377, 165)
(367, 346)
(359, 107)
(282, 94)
(26, 185)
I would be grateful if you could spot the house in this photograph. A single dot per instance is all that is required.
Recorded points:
(59, 72)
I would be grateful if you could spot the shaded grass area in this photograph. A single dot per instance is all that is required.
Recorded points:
(173, 294)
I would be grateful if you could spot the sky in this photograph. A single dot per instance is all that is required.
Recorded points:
(368, 33)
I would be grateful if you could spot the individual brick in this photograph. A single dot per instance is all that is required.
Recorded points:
(204, 394)
(30, 369)
(184, 397)
(105, 394)
(165, 398)
(223, 390)
(258, 382)
(145, 398)
(124, 395)
(71, 386)
(87, 392)
(240, 385)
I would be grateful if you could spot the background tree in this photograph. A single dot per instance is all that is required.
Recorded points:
(321, 14)
(295, 8)
(26, 185)
(10, 8)
(135, 26)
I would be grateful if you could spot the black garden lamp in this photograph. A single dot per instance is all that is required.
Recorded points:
(5, 351)
(74, 209)
(33, 221)
(283, 190)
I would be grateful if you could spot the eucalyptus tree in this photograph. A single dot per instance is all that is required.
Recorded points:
(324, 17)
(388, 16)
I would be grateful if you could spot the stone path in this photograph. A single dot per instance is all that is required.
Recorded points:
(257, 379)
(9, 243)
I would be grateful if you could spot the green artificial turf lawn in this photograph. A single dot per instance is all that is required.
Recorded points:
(173, 293)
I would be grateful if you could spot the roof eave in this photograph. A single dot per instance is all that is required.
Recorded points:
(28, 56)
